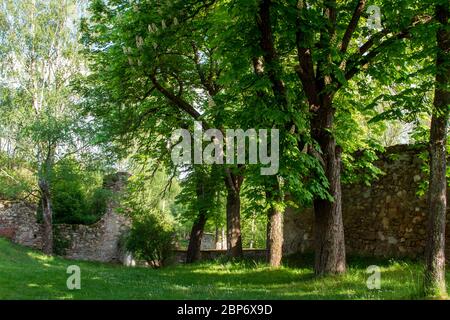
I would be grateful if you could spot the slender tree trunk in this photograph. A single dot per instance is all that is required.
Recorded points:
(47, 217)
(274, 237)
(253, 231)
(195, 241)
(434, 282)
(328, 224)
(272, 68)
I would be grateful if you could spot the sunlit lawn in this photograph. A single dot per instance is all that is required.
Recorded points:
(27, 274)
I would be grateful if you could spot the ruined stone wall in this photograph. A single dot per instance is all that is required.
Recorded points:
(18, 223)
(385, 219)
(97, 242)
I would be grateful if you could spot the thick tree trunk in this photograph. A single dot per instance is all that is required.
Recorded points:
(47, 217)
(234, 239)
(233, 184)
(274, 237)
(434, 282)
(328, 224)
(195, 241)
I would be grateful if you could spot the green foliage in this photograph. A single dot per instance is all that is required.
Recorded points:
(78, 194)
(254, 231)
(201, 190)
(360, 167)
(149, 202)
(98, 202)
(60, 244)
(151, 238)
(16, 179)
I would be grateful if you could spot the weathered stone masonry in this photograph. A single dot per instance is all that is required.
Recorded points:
(97, 242)
(385, 219)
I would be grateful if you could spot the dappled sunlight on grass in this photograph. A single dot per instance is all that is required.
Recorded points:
(33, 285)
(40, 257)
(26, 274)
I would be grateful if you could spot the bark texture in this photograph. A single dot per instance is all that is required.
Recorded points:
(195, 241)
(328, 224)
(47, 216)
(272, 68)
(434, 283)
(234, 238)
(275, 237)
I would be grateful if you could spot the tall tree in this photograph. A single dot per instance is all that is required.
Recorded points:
(200, 190)
(327, 60)
(40, 62)
(272, 68)
(434, 284)
(160, 57)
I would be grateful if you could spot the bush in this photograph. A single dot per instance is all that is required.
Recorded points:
(151, 238)
(98, 203)
(69, 204)
(60, 244)
(77, 194)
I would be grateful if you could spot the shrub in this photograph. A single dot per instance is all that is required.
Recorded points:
(60, 244)
(77, 194)
(69, 204)
(151, 238)
(98, 203)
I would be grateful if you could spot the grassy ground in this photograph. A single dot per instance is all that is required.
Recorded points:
(27, 274)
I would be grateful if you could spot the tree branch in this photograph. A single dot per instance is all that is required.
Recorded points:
(365, 56)
(176, 100)
(305, 67)
(269, 51)
(352, 25)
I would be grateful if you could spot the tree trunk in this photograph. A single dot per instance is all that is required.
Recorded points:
(253, 231)
(47, 217)
(195, 241)
(234, 239)
(434, 282)
(328, 225)
(274, 237)
(233, 184)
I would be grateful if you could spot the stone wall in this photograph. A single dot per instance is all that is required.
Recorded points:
(97, 242)
(18, 223)
(385, 219)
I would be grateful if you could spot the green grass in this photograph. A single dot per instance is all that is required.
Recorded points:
(27, 274)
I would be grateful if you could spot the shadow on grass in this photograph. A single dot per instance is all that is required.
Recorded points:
(27, 274)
